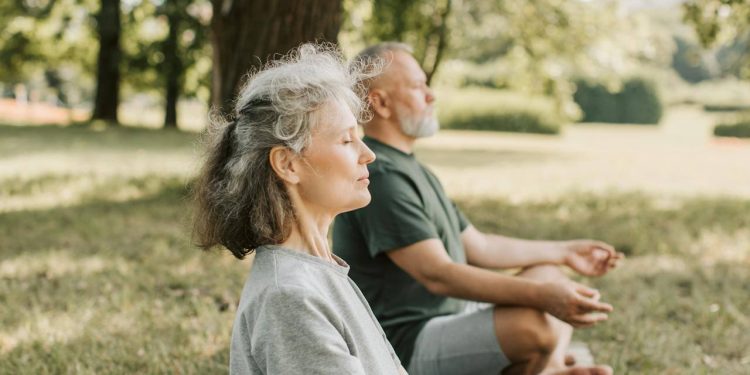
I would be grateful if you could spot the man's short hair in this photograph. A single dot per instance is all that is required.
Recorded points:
(377, 56)
(379, 50)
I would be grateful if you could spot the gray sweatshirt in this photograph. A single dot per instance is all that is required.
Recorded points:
(300, 314)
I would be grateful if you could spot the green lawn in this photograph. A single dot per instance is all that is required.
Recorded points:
(98, 275)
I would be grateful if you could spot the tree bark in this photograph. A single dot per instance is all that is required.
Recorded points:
(108, 63)
(173, 69)
(245, 33)
(442, 36)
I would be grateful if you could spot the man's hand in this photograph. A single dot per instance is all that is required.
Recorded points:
(573, 303)
(590, 258)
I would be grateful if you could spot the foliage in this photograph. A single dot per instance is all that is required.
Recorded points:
(537, 46)
(740, 127)
(718, 94)
(725, 107)
(722, 21)
(146, 27)
(732, 56)
(48, 39)
(637, 102)
(688, 61)
(53, 39)
(420, 23)
(486, 109)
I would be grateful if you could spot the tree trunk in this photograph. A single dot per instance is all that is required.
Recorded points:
(441, 31)
(173, 69)
(245, 33)
(108, 63)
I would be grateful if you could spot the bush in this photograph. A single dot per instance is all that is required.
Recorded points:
(725, 107)
(497, 110)
(739, 129)
(637, 102)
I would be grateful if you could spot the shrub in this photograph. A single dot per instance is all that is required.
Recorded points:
(739, 129)
(725, 107)
(497, 110)
(637, 102)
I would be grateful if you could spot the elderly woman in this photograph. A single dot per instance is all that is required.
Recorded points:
(274, 179)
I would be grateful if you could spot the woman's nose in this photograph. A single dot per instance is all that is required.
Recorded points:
(366, 155)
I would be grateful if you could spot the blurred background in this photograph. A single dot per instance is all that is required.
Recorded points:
(626, 121)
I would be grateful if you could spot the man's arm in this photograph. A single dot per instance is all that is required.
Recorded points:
(428, 263)
(587, 257)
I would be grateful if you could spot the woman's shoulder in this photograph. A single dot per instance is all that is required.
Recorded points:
(281, 276)
(285, 300)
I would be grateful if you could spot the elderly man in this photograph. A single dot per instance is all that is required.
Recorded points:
(418, 260)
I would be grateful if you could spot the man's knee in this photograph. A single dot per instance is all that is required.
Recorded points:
(524, 333)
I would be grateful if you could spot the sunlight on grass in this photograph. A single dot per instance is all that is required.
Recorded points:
(47, 329)
(716, 246)
(56, 264)
(49, 191)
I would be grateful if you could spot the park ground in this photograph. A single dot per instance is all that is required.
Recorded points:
(98, 274)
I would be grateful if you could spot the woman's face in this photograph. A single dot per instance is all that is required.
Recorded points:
(335, 176)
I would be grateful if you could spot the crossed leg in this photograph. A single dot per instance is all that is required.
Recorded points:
(534, 341)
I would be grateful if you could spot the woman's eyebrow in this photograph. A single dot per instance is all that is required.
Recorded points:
(347, 129)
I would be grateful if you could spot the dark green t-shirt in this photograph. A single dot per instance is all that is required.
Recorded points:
(408, 205)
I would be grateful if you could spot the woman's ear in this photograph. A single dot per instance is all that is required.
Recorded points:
(380, 103)
(282, 161)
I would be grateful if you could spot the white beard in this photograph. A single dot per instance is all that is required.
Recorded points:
(416, 127)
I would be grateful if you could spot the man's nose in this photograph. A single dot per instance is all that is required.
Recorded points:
(430, 97)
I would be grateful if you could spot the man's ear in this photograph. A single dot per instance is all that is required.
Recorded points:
(380, 103)
(282, 161)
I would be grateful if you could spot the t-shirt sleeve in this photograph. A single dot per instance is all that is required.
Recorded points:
(395, 217)
(296, 333)
(463, 221)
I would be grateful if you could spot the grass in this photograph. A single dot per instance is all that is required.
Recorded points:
(97, 273)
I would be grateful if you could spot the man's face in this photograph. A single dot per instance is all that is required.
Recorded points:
(412, 98)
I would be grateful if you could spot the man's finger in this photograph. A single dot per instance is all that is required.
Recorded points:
(590, 304)
(606, 247)
(586, 291)
(586, 320)
(614, 261)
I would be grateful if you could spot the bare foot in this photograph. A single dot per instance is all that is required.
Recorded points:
(582, 370)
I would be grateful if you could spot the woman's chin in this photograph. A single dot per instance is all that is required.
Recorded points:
(361, 201)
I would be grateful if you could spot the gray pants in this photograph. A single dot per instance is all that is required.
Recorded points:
(459, 344)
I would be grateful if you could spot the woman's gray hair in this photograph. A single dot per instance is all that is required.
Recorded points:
(240, 201)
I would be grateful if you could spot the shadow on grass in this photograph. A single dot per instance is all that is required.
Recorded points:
(18, 140)
(113, 287)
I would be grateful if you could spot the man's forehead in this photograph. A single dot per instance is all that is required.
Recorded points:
(400, 66)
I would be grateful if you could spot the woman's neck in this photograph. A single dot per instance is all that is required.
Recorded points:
(310, 233)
